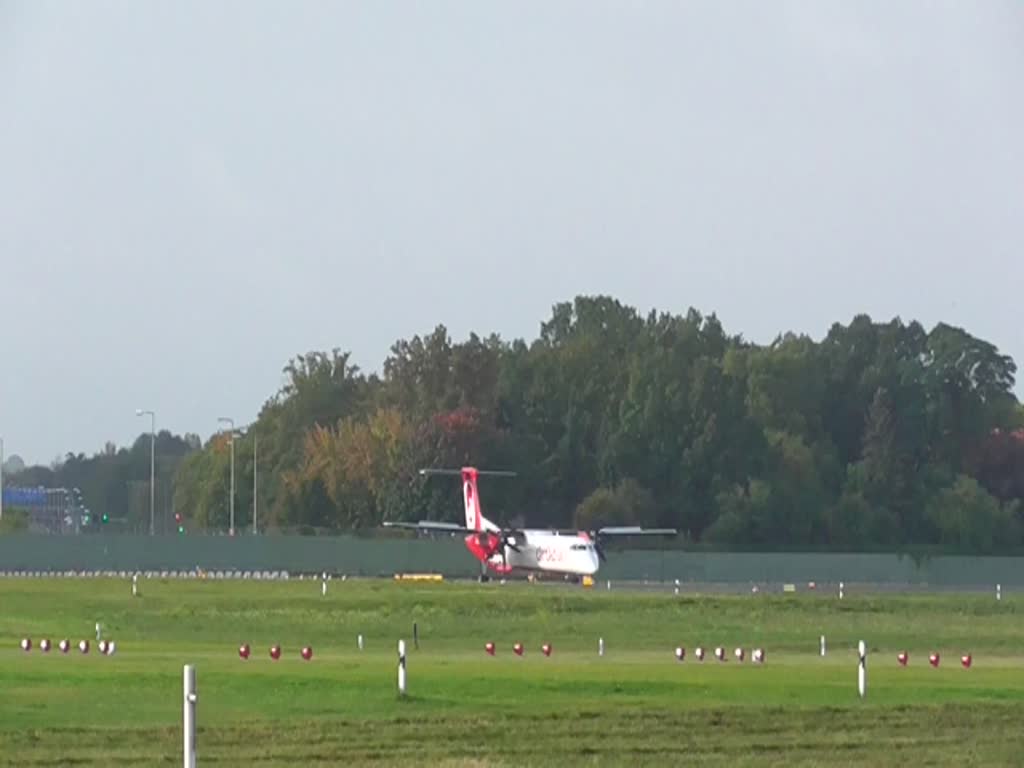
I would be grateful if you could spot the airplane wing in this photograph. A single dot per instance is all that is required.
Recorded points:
(430, 525)
(636, 530)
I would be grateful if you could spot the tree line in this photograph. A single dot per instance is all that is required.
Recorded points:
(881, 436)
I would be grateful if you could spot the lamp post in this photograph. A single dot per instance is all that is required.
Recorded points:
(152, 467)
(255, 442)
(231, 500)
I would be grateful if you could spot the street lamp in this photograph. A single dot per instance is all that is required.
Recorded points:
(152, 466)
(255, 442)
(231, 502)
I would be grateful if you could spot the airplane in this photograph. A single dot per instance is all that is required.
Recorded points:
(504, 550)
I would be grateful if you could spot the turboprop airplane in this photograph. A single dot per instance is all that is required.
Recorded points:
(503, 550)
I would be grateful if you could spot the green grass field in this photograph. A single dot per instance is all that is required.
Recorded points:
(634, 706)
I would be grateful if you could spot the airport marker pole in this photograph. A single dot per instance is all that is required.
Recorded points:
(189, 716)
(401, 667)
(862, 669)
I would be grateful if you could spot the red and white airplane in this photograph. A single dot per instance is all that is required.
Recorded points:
(576, 553)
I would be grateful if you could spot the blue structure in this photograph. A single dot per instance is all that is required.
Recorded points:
(25, 497)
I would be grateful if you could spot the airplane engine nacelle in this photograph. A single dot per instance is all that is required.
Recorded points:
(483, 545)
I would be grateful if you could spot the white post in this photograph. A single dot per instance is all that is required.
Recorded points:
(862, 669)
(189, 716)
(677, 586)
(999, 591)
(823, 645)
(609, 585)
(135, 584)
(323, 586)
(600, 646)
(840, 590)
(360, 642)
(401, 667)
(97, 631)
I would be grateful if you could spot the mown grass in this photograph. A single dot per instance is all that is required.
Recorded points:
(634, 706)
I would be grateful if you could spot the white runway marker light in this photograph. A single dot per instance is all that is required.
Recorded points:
(862, 669)
(401, 667)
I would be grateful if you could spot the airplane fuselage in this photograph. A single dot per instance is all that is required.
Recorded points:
(539, 550)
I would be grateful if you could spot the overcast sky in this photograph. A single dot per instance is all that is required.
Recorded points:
(193, 192)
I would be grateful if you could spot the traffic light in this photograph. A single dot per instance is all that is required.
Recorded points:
(106, 518)
(177, 519)
(181, 529)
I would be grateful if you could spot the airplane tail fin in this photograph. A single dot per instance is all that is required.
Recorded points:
(475, 519)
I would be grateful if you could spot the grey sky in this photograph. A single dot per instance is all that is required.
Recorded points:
(192, 192)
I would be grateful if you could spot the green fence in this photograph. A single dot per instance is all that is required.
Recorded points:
(358, 556)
